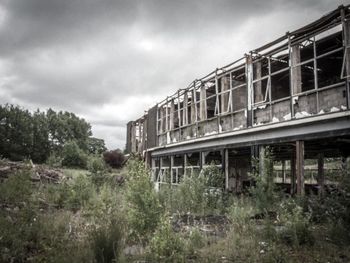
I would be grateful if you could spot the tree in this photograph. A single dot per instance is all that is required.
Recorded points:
(95, 145)
(114, 158)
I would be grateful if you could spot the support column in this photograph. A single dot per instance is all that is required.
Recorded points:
(292, 174)
(226, 168)
(320, 174)
(295, 79)
(184, 111)
(201, 159)
(171, 169)
(300, 167)
(262, 167)
(193, 107)
(172, 107)
(283, 171)
(203, 104)
(185, 165)
(250, 89)
(225, 86)
(258, 94)
(346, 37)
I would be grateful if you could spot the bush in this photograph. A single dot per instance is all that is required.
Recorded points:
(54, 160)
(107, 242)
(144, 208)
(98, 170)
(114, 158)
(264, 192)
(73, 156)
(297, 224)
(166, 245)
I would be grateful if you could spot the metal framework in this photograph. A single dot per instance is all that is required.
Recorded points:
(293, 89)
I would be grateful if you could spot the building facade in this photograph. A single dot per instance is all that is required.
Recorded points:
(291, 94)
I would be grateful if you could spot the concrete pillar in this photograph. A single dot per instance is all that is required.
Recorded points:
(203, 104)
(262, 167)
(250, 89)
(185, 165)
(258, 94)
(184, 111)
(202, 159)
(283, 171)
(161, 125)
(171, 169)
(225, 86)
(292, 174)
(226, 167)
(193, 107)
(320, 174)
(133, 138)
(296, 70)
(300, 167)
(172, 107)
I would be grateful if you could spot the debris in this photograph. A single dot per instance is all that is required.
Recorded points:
(302, 114)
(40, 173)
(274, 119)
(334, 109)
(287, 117)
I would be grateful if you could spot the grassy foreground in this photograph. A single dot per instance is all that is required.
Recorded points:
(101, 215)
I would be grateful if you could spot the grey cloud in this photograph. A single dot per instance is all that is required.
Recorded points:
(100, 59)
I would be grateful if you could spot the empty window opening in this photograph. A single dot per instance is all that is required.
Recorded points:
(213, 158)
(260, 90)
(329, 69)
(193, 159)
(260, 68)
(280, 85)
(306, 50)
(307, 76)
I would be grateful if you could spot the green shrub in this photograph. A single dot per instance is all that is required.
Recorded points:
(214, 177)
(81, 189)
(166, 245)
(144, 208)
(54, 160)
(264, 193)
(98, 170)
(73, 156)
(296, 224)
(107, 242)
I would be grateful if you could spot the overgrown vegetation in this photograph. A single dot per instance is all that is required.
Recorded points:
(91, 217)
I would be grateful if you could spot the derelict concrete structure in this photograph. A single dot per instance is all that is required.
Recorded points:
(291, 94)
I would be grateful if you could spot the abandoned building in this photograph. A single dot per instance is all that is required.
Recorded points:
(291, 95)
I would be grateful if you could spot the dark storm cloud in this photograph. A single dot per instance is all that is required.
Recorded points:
(110, 60)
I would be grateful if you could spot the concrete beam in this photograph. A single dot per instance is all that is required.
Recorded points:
(320, 174)
(324, 126)
(300, 167)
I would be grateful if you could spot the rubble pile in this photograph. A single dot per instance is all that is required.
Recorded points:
(39, 173)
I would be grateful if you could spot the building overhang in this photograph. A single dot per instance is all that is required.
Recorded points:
(314, 127)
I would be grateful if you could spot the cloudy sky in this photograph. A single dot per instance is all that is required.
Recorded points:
(109, 60)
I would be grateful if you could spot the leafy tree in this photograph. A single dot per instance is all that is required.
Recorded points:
(114, 158)
(73, 156)
(95, 145)
(35, 135)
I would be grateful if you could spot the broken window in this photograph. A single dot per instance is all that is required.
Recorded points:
(210, 95)
(329, 68)
(239, 89)
(280, 85)
(307, 76)
(193, 159)
(330, 59)
(213, 158)
(306, 50)
(224, 94)
(260, 90)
